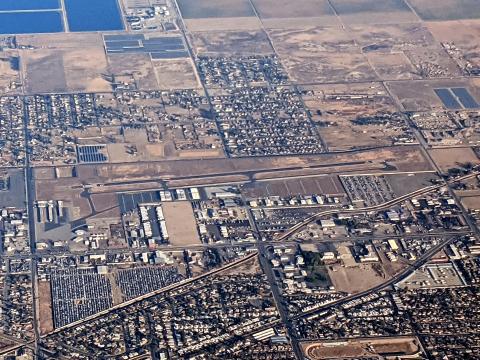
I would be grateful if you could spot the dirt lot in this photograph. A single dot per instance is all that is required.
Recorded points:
(329, 68)
(45, 307)
(199, 9)
(44, 71)
(292, 9)
(373, 11)
(449, 158)
(224, 24)
(165, 149)
(344, 137)
(61, 40)
(64, 171)
(44, 173)
(391, 37)
(406, 346)
(436, 10)
(470, 199)
(85, 73)
(104, 201)
(181, 225)
(403, 184)
(395, 66)
(9, 73)
(311, 41)
(117, 153)
(139, 66)
(250, 267)
(58, 63)
(152, 152)
(231, 43)
(318, 351)
(320, 55)
(175, 74)
(410, 159)
(419, 95)
(336, 114)
(355, 279)
(63, 70)
(360, 348)
(201, 154)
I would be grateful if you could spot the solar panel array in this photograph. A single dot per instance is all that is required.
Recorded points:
(91, 154)
(164, 47)
(456, 98)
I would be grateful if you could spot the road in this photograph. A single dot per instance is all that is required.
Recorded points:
(183, 29)
(262, 251)
(452, 193)
(288, 321)
(276, 292)
(157, 292)
(379, 207)
(397, 278)
(30, 199)
(269, 273)
(133, 301)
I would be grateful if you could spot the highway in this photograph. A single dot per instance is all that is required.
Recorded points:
(276, 292)
(157, 292)
(261, 253)
(379, 207)
(397, 278)
(30, 199)
(133, 301)
(400, 276)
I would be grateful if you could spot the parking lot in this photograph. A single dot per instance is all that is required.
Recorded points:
(78, 293)
(139, 281)
(371, 189)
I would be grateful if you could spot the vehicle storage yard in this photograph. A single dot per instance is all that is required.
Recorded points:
(225, 179)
